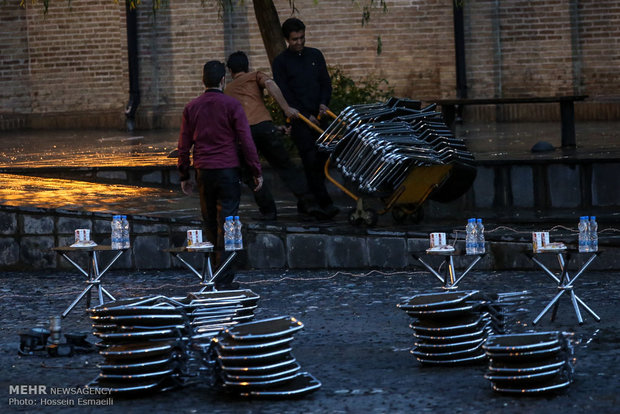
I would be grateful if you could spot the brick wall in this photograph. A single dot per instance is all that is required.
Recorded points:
(599, 43)
(70, 61)
(69, 68)
(14, 90)
(171, 61)
(544, 48)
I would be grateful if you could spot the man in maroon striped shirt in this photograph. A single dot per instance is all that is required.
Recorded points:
(216, 127)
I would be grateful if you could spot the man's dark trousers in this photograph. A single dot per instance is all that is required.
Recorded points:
(270, 145)
(313, 161)
(219, 189)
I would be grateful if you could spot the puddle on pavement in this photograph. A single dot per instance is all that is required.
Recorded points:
(91, 148)
(18, 190)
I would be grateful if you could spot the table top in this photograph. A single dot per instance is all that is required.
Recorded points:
(97, 247)
(570, 250)
(189, 250)
(455, 252)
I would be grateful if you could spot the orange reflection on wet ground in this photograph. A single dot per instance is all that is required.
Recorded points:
(37, 149)
(18, 190)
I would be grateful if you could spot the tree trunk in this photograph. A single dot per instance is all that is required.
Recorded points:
(270, 28)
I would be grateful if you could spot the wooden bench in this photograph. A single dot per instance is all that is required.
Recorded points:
(449, 109)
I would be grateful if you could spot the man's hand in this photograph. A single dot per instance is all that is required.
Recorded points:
(284, 129)
(187, 187)
(313, 119)
(291, 113)
(258, 181)
(323, 109)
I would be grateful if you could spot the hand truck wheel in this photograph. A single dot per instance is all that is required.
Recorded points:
(358, 217)
(370, 217)
(400, 213)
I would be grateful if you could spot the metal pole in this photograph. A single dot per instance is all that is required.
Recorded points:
(132, 60)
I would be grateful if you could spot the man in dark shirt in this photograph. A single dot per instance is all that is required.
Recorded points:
(216, 127)
(301, 74)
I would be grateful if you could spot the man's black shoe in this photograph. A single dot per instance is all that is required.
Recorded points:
(331, 211)
(227, 286)
(306, 207)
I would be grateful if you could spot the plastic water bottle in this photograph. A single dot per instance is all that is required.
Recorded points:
(470, 237)
(116, 237)
(584, 236)
(237, 236)
(480, 246)
(593, 230)
(125, 232)
(229, 234)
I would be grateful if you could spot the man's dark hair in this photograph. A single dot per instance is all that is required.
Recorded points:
(292, 24)
(238, 62)
(212, 73)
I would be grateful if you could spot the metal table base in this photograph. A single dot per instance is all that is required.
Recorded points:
(565, 284)
(206, 275)
(449, 279)
(92, 273)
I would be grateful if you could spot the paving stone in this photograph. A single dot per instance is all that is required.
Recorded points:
(9, 251)
(605, 190)
(67, 225)
(8, 223)
(103, 227)
(564, 186)
(112, 175)
(38, 224)
(266, 251)
(521, 180)
(306, 251)
(36, 251)
(346, 252)
(140, 228)
(147, 251)
(387, 252)
(153, 177)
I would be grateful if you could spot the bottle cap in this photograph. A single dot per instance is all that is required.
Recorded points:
(479, 220)
(592, 218)
(236, 217)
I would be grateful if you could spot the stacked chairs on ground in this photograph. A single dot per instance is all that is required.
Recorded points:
(142, 343)
(255, 359)
(158, 341)
(530, 363)
(449, 327)
(210, 312)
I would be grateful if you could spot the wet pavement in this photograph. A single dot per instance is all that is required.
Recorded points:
(105, 148)
(35, 149)
(514, 140)
(86, 148)
(355, 341)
